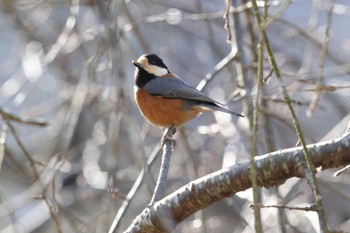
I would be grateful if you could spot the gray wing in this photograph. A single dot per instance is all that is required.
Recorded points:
(175, 88)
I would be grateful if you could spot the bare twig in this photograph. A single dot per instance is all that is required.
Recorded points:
(160, 186)
(283, 121)
(330, 54)
(3, 135)
(268, 75)
(12, 117)
(275, 100)
(319, 85)
(278, 15)
(270, 146)
(339, 172)
(253, 150)
(311, 208)
(227, 20)
(64, 36)
(138, 35)
(132, 192)
(38, 190)
(52, 214)
(197, 16)
(31, 161)
(222, 64)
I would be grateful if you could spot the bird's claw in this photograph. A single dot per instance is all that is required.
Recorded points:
(168, 136)
(164, 139)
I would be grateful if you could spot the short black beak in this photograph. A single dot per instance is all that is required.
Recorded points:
(137, 64)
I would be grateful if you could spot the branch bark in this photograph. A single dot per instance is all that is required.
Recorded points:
(272, 169)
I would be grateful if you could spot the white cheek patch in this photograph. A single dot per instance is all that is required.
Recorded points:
(156, 70)
(142, 60)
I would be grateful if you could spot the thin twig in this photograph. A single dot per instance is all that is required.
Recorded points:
(195, 16)
(67, 30)
(284, 121)
(52, 214)
(270, 146)
(242, 79)
(311, 208)
(275, 100)
(3, 135)
(253, 150)
(132, 192)
(222, 64)
(12, 117)
(330, 54)
(277, 117)
(339, 172)
(227, 20)
(31, 161)
(37, 177)
(255, 123)
(268, 75)
(318, 88)
(327, 88)
(138, 35)
(278, 15)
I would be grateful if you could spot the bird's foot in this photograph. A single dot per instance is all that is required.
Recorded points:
(168, 136)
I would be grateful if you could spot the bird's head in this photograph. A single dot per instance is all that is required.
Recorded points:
(152, 64)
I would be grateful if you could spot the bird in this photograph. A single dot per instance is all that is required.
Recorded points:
(164, 99)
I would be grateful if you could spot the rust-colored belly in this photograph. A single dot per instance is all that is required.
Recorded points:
(164, 112)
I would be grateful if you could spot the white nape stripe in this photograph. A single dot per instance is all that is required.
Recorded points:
(156, 70)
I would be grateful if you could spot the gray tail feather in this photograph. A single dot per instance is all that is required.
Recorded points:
(218, 108)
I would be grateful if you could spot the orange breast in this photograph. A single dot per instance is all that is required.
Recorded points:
(164, 112)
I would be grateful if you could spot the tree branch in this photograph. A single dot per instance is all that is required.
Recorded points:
(167, 144)
(272, 169)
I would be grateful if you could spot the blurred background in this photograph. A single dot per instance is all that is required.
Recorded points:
(73, 143)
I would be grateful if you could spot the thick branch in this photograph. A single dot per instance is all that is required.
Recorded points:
(272, 169)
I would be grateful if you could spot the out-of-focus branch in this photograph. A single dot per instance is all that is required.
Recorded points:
(334, 57)
(311, 169)
(272, 169)
(319, 85)
(3, 135)
(195, 16)
(218, 67)
(12, 117)
(132, 192)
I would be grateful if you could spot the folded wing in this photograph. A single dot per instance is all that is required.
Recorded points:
(176, 88)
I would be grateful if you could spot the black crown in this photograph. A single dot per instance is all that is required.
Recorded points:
(153, 59)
